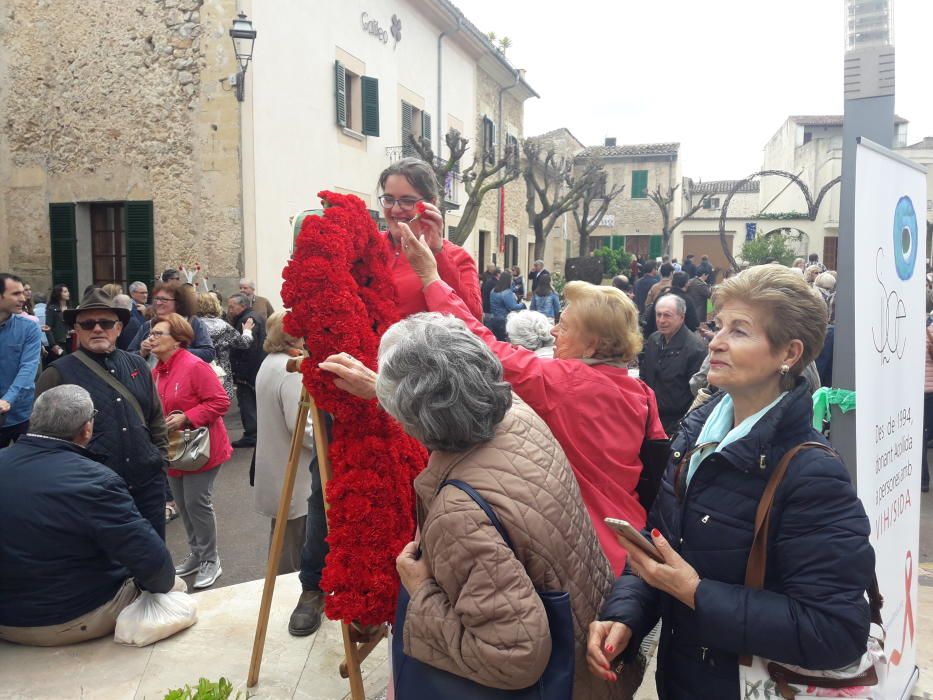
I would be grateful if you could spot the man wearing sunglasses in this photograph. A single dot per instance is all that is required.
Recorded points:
(129, 434)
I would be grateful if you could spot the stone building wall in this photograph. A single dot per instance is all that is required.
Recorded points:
(516, 217)
(113, 100)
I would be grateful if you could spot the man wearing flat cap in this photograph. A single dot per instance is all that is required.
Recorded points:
(129, 433)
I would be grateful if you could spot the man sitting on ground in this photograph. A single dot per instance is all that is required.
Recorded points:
(71, 539)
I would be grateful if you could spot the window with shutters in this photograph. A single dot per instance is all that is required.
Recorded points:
(356, 101)
(64, 245)
(489, 140)
(416, 123)
(639, 184)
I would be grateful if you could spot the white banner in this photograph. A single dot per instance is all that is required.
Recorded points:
(890, 351)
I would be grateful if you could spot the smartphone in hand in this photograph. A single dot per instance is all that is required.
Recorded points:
(634, 538)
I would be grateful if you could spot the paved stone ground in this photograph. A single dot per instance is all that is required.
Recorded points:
(243, 538)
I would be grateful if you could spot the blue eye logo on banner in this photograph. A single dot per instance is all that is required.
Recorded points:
(905, 238)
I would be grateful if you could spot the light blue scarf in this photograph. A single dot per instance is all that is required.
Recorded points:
(718, 429)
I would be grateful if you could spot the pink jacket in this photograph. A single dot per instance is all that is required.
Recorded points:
(187, 383)
(598, 413)
(456, 268)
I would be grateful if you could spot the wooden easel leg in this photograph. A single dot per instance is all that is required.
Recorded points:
(278, 539)
(352, 661)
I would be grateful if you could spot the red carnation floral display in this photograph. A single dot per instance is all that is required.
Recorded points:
(338, 286)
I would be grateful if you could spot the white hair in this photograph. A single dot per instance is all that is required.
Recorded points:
(530, 329)
(61, 412)
(123, 301)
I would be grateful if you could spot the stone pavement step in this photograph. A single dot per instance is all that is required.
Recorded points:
(220, 645)
(303, 668)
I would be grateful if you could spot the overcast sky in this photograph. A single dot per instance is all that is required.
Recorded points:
(719, 76)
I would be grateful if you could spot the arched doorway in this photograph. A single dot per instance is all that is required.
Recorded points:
(795, 239)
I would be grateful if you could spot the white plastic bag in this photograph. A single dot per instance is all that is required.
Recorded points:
(155, 616)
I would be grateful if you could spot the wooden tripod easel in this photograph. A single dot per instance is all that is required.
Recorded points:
(354, 652)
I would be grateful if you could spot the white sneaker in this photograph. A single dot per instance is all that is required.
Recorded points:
(188, 565)
(208, 572)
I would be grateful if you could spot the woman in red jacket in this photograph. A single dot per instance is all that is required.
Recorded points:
(192, 396)
(598, 413)
(404, 184)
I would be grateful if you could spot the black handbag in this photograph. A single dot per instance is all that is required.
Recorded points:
(415, 680)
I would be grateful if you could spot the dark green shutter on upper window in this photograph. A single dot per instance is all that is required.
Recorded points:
(340, 78)
(369, 90)
(426, 126)
(639, 184)
(655, 244)
(140, 244)
(407, 113)
(64, 246)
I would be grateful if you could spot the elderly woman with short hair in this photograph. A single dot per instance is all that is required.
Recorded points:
(278, 398)
(598, 413)
(474, 609)
(812, 610)
(531, 330)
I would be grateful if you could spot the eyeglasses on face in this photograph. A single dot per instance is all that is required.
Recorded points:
(163, 300)
(157, 334)
(405, 203)
(88, 324)
(94, 414)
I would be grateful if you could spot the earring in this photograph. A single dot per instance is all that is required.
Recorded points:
(784, 370)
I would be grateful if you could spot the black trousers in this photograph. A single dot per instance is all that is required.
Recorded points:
(246, 398)
(10, 433)
(150, 501)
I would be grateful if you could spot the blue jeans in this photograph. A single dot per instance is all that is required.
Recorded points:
(315, 547)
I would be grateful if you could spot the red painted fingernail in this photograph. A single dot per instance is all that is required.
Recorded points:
(655, 532)
(609, 648)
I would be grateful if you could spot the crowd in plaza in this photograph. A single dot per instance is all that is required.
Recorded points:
(667, 399)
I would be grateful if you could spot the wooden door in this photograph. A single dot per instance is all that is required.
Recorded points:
(708, 244)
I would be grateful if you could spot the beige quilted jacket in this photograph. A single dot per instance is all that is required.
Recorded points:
(480, 616)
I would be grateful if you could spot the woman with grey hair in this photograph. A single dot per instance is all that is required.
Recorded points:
(446, 388)
(532, 330)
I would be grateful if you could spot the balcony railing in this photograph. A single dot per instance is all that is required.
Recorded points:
(453, 179)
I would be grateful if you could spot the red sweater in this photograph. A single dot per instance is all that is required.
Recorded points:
(598, 413)
(455, 267)
(187, 383)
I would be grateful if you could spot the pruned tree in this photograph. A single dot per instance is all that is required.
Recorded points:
(479, 179)
(813, 205)
(595, 195)
(663, 202)
(552, 190)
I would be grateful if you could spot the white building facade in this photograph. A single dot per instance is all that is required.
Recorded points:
(333, 90)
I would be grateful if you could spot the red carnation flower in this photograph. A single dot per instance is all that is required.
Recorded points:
(338, 286)
(421, 208)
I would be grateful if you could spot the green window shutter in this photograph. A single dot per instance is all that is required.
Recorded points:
(407, 114)
(340, 75)
(140, 245)
(639, 184)
(426, 126)
(64, 246)
(655, 244)
(369, 89)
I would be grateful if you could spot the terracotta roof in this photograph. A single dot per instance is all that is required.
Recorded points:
(724, 186)
(632, 150)
(829, 120)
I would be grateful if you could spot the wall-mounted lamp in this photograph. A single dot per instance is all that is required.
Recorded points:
(243, 36)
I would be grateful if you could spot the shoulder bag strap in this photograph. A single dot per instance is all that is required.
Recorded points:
(112, 382)
(481, 502)
(758, 556)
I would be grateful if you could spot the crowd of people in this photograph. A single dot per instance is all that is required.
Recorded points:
(537, 408)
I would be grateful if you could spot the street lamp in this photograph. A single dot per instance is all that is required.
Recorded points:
(243, 36)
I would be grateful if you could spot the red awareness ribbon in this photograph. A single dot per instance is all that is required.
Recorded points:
(897, 655)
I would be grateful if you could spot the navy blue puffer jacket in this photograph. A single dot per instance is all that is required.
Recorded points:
(812, 612)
